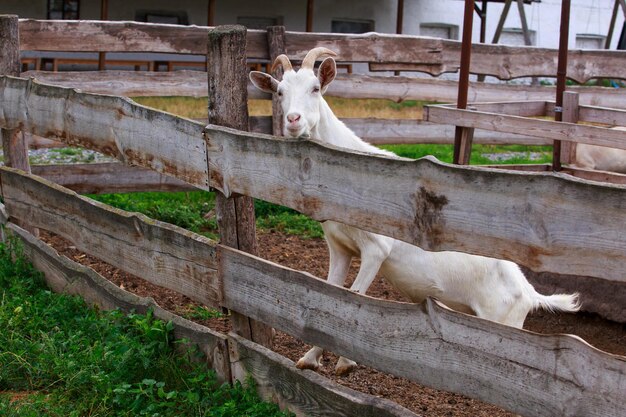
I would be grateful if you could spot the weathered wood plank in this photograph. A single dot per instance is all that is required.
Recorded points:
(304, 393)
(527, 373)
(115, 126)
(545, 221)
(385, 51)
(193, 83)
(433, 89)
(593, 175)
(397, 131)
(436, 56)
(158, 252)
(532, 127)
(135, 83)
(65, 275)
(98, 36)
(602, 115)
(108, 178)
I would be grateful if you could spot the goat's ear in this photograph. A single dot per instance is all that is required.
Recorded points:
(263, 81)
(326, 73)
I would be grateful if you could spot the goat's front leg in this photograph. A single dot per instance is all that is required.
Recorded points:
(337, 272)
(370, 265)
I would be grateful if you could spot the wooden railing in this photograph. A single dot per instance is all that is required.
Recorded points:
(544, 221)
(390, 52)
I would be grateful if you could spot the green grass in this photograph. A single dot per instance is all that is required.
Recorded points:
(58, 357)
(519, 154)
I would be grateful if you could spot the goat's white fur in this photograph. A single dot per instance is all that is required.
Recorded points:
(600, 158)
(489, 288)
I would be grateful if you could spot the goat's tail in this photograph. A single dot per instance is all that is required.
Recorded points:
(559, 302)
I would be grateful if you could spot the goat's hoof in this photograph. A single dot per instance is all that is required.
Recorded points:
(344, 367)
(304, 364)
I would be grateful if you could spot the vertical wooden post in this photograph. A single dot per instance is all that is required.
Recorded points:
(276, 38)
(13, 142)
(228, 101)
(570, 115)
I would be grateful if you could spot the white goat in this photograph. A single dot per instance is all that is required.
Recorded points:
(600, 157)
(489, 288)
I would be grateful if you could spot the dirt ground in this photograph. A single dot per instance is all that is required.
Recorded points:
(311, 255)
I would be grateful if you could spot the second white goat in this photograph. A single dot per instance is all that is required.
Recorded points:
(489, 288)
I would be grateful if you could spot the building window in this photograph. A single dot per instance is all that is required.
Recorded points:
(351, 26)
(439, 30)
(589, 41)
(515, 37)
(63, 9)
(162, 16)
(259, 22)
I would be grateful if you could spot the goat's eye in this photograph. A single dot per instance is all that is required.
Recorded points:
(316, 89)
(280, 94)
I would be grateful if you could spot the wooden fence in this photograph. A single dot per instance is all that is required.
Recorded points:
(380, 51)
(544, 221)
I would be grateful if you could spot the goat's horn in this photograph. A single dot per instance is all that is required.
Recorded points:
(284, 61)
(314, 54)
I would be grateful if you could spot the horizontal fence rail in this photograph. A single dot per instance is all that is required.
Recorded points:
(493, 212)
(397, 88)
(487, 116)
(159, 252)
(527, 373)
(99, 36)
(383, 51)
(105, 178)
(540, 220)
(114, 126)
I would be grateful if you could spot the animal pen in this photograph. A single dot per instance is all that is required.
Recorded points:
(572, 229)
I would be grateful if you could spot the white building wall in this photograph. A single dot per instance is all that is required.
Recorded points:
(591, 17)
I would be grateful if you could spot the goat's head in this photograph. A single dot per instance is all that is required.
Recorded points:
(300, 92)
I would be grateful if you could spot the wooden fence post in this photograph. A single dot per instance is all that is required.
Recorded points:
(228, 106)
(14, 141)
(570, 115)
(276, 40)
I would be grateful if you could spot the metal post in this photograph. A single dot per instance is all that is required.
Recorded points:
(561, 76)
(399, 22)
(310, 5)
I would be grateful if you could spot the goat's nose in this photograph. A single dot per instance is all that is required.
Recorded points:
(293, 117)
